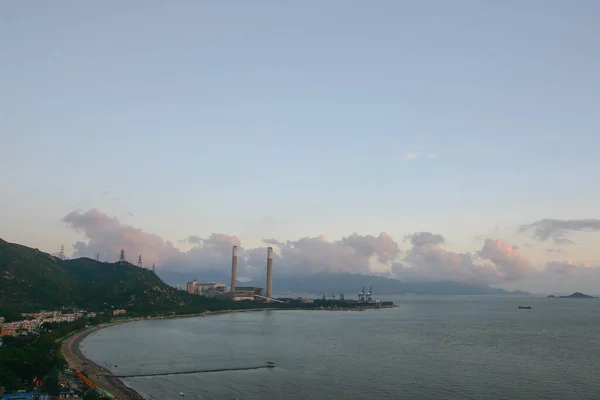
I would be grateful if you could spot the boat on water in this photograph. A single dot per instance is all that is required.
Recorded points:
(181, 394)
(525, 307)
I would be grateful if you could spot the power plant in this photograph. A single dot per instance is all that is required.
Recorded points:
(234, 258)
(270, 272)
(239, 293)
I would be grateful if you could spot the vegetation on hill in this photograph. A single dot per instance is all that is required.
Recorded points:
(24, 359)
(31, 280)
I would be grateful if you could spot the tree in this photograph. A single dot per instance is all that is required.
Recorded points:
(11, 316)
(51, 385)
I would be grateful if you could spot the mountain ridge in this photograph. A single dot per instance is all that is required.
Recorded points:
(31, 280)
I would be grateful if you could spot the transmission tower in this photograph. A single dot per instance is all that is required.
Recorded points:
(122, 256)
(153, 268)
(140, 262)
(62, 255)
(97, 256)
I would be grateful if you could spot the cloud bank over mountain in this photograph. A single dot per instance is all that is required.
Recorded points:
(497, 263)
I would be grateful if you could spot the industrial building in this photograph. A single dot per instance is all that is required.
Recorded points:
(205, 289)
(235, 295)
(253, 289)
(235, 292)
(249, 292)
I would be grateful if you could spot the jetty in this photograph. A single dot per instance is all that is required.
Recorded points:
(196, 371)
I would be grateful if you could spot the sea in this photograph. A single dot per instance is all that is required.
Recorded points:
(429, 347)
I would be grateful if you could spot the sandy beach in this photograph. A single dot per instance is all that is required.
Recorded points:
(77, 361)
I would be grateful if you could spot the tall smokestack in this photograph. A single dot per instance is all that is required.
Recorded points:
(234, 268)
(270, 272)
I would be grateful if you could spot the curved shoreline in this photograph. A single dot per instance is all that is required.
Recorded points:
(99, 375)
(77, 361)
(70, 349)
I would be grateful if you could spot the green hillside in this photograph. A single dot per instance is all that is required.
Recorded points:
(29, 277)
(31, 280)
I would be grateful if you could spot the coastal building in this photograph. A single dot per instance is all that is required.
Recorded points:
(9, 330)
(191, 287)
(202, 287)
(209, 289)
(1, 320)
(213, 290)
(119, 312)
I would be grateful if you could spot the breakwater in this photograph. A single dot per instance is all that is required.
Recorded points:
(197, 371)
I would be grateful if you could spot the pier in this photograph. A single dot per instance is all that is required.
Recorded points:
(197, 371)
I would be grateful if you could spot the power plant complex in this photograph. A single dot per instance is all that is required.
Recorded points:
(235, 292)
(254, 293)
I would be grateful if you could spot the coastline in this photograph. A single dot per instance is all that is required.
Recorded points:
(98, 375)
(77, 361)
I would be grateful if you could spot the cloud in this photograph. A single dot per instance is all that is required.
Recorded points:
(557, 229)
(495, 263)
(425, 239)
(192, 240)
(431, 262)
(572, 276)
(555, 250)
(355, 253)
(107, 236)
(508, 262)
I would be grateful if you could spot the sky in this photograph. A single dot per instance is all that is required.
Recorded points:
(338, 131)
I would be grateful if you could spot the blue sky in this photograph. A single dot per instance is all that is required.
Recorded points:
(286, 119)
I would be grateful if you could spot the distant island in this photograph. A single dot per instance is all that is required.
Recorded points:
(576, 295)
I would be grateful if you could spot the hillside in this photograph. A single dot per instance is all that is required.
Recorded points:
(31, 280)
(29, 277)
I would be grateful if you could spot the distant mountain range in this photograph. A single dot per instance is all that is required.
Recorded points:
(352, 283)
(342, 283)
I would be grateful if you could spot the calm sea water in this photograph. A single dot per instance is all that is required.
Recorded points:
(443, 347)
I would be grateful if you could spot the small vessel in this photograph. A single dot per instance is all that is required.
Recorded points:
(181, 394)
(525, 307)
